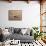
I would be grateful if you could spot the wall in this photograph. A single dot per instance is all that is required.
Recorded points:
(30, 14)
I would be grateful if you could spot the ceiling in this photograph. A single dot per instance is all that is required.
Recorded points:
(20, 0)
(25, 0)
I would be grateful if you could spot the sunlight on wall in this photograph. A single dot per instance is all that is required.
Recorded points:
(30, 14)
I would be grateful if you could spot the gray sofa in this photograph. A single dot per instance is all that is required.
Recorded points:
(22, 38)
(17, 35)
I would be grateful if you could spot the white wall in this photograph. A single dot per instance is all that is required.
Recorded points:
(30, 14)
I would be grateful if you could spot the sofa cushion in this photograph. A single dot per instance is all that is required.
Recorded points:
(23, 31)
(11, 30)
(17, 30)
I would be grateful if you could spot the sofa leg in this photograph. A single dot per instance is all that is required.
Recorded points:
(21, 44)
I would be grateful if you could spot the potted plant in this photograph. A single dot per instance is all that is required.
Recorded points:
(37, 33)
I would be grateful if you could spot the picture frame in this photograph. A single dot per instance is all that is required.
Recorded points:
(15, 15)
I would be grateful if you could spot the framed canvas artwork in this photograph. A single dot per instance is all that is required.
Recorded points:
(15, 14)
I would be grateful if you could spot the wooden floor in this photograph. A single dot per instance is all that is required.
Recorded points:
(35, 43)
